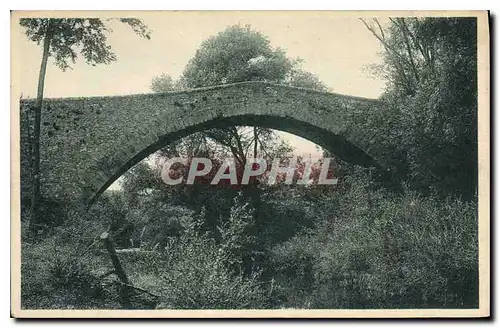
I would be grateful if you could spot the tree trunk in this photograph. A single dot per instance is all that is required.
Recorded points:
(241, 152)
(255, 140)
(125, 292)
(35, 160)
(405, 31)
(118, 268)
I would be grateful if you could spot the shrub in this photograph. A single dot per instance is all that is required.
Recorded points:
(53, 277)
(75, 277)
(378, 250)
(206, 274)
(200, 279)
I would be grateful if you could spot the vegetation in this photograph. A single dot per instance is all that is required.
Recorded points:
(431, 68)
(61, 39)
(360, 245)
(305, 251)
(234, 55)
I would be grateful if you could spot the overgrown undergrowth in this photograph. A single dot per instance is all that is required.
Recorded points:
(358, 248)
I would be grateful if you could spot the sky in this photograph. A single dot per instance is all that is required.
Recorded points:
(337, 49)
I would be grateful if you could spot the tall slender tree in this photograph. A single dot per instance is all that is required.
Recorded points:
(62, 39)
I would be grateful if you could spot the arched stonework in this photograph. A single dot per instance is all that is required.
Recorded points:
(87, 143)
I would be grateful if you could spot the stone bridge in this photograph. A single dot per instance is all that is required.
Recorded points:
(87, 143)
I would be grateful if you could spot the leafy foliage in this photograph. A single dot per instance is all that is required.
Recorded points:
(68, 35)
(238, 54)
(53, 277)
(207, 274)
(304, 79)
(376, 250)
(163, 83)
(429, 129)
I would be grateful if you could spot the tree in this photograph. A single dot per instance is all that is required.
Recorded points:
(430, 126)
(62, 39)
(304, 79)
(234, 55)
(163, 83)
(237, 54)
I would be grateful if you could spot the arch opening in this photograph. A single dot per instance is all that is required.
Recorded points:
(334, 143)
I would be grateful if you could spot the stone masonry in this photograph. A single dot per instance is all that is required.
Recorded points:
(87, 143)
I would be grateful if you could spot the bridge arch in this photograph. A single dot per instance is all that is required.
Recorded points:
(88, 143)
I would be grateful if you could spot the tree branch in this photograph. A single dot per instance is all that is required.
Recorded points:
(404, 30)
(241, 152)
(390, 49)
(380, 28)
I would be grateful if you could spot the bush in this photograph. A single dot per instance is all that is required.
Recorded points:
(359, 247)
(283, 212)
(201, 279)
(206, 274)
(378, 250)
(53, 277)
(75, 277)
